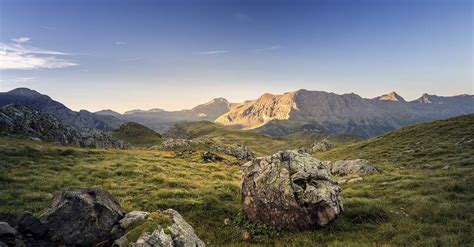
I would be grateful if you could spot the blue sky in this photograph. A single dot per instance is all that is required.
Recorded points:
(176, 54)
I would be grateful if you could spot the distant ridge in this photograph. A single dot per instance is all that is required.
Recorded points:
(342, 114)
(43, 103)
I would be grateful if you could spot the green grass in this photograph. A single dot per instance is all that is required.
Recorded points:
(414, 202)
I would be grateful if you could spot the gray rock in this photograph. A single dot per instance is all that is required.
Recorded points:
(322, 146)
(181, 232)
(178, 234)
(6, 229)
(132, 218)
(239, 151)
(290, 190)
(350, 167)
(82, 216)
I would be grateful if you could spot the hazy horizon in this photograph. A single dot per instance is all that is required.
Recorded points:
(175, 55)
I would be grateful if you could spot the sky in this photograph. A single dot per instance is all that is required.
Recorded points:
(142, 54)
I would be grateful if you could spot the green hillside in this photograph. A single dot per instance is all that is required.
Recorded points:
(414, 202)
(137, 134)
(257, 142)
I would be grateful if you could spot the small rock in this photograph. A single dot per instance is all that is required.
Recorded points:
(6, 229)
(210, 157)
(130, 219)
(245, 235)
(445, 167)
(322, 146)
(350, 167)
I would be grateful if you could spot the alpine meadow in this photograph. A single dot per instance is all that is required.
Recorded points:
(158, 123)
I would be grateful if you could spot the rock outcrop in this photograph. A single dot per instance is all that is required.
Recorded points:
(322, 146)
(352, 167)
(238, 151)
(176, 233)
(290, 190)
(83, 216)
(93, 217)
(25, 121)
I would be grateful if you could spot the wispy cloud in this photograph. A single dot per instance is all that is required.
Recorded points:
(215, 52)
(120, 43)
(271, 48)
(48, 27)
(242, 17)
(21, 40)
(18, 55)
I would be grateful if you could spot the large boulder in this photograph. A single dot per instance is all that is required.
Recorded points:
(352, 167)
(290, 190)
(82, 216)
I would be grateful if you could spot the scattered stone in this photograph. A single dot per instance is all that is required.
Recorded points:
(322, 146)
(83, 216)
(239, 151)
(351, 167)
(132, 218)
(445, 167)
(290, 190)
(245, 235)
(211, 157)
(352, 180)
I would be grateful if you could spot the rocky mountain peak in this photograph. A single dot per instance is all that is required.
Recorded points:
(392, 96)
(425, 98)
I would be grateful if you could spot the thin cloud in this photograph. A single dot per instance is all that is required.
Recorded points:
(271, 48)
(120, 43)
(22, 40)
(48, 27)
(19, 56)
(215, 52)
(242, 17)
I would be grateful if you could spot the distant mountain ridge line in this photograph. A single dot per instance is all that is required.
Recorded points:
(272, 114)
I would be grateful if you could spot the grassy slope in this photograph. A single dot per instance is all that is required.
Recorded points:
(137, 134)
(257, 142)
(409, 204)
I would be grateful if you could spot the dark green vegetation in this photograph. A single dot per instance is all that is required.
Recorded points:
(137, 134)
(415, 202)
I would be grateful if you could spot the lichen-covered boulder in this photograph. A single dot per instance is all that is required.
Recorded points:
(173, 231)
(290, 190)
(82, 216)
(322, 146)
(352, 167)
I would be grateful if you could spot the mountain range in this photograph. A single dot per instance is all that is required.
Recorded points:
(275, 115)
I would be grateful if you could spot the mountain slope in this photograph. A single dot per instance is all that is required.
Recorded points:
(43, 103)
(161, 120)
(343, 114)
(27, 122)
